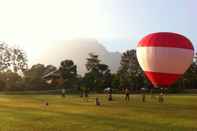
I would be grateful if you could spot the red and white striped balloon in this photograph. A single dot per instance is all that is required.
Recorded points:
(164, 57)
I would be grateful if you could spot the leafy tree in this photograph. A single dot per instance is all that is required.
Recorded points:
(98, 75)
(105, 77)
(33, 77)
(91, 77)
(12, 61)
(68, 71)
(92, 63)
(9, 80)
(130, 73)
(12, 58)
(189, 79)
(115, 81)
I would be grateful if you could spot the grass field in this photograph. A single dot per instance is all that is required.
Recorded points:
(28, 113)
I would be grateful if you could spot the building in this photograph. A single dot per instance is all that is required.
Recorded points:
(53, 78)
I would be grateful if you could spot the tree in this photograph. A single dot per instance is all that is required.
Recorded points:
(13, 59)
(92, 63)
(33, 77)
(91, 77)
(9, 79)
(115, 83)
(105, 76)
(130, 73)
(68, 71)
(189, 79)
(98, 75)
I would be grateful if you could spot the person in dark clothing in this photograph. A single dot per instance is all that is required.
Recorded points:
(143, 97)
(143, 90)
(110, 95)
(86, 93)
(161, 99)
(127, 94)
(63, 92)
(46, 103)
(97, 101)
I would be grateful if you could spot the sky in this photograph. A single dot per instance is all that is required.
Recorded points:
(117, 24)
(133, 19)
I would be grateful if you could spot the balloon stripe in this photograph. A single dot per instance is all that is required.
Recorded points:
(165, 39)
(162, 79)
(164, 60)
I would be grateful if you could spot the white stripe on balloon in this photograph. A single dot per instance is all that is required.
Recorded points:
(164, 59)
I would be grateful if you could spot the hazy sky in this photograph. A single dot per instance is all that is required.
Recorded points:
(118, 24)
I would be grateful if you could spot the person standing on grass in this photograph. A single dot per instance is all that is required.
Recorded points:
(110, 95)
(85, 91)
(143, 94)
(63, 92)
(165, 91)
(108, 92)
(161, 99)
(127, 94)
(143, 97)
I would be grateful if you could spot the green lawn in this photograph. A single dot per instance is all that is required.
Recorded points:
(28, 113)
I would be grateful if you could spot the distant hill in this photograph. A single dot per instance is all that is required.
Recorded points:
(78, 51)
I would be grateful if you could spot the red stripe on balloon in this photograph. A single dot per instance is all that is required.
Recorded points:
(166, 39)
(162, 79)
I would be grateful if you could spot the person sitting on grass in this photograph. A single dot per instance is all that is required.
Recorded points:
(46, 103)
(97, 102)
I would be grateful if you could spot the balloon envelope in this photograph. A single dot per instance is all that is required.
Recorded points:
(164, 57)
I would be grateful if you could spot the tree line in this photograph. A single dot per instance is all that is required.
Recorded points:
(16, 76)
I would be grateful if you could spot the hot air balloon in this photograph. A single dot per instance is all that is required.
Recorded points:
(164, 57)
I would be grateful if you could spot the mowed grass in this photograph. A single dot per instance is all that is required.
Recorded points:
(72, 113)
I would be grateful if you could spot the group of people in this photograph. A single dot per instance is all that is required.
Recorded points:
(126, 91)
(127, 94)
(108, 91)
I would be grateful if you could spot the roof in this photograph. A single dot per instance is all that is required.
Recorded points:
(52, 74)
